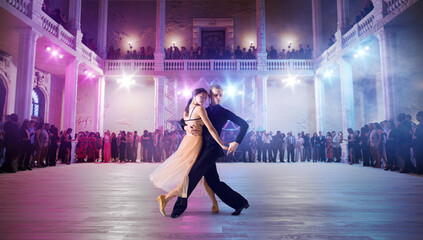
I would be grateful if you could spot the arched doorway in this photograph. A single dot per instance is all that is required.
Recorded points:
(38, 105)
(2, 99)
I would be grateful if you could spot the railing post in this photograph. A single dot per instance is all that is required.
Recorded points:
(211, 64)
(35, 12)
(238, 65)
(185, 65)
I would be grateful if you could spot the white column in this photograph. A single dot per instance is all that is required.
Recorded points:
(347, 101)
(261, 35)
(343, 15)
(75, 14)
(25, 72)
(319, 92)
(159, 102)
(159, 54)
(102, 28)
(71, 86)
(386, 45)
(99, 103)
(261, 102)
(317, 27)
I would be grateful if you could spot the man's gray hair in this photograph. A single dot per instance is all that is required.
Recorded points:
(215, 86)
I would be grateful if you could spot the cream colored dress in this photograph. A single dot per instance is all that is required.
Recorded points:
(172, 174)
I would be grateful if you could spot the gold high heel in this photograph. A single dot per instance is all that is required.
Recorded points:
(215, 209)
(162, 201)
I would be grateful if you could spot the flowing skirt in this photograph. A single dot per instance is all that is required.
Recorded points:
(172, 174)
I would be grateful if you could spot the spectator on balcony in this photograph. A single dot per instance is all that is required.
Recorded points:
(135, 55)
(184, 53)
(282, 54)
(191, 53)
(111, 53)
(117, 54)
(150, 53)
(309, 52)
(176, 54)
(250, 54)
(128, 54)
(272, 54)
(238, 53)
(142, 53)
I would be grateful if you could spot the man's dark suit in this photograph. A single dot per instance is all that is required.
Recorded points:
(206, 161)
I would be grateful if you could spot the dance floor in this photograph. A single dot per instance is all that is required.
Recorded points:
(287, 201)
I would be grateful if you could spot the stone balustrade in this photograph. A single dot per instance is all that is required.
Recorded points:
(392, 5)
(208, 65)
(21, 5)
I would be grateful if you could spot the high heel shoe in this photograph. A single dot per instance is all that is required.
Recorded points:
(215, 209)
(162, 201)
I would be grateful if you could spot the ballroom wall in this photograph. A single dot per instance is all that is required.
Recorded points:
(291, 108)
(129, 109)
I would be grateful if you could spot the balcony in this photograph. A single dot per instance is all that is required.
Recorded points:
(31, 10)
(212, 66)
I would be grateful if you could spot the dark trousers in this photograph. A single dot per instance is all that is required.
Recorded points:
(281, 154)
(404, 155)
(391, 154)
(206, 166)
(307, 153)
(291, 152)
(337, 154)
(25, 154)
(11, 155)
(418, 154)
(259, 152)
(366, 155)
(51, 158)
(322, 154)
(267, 152)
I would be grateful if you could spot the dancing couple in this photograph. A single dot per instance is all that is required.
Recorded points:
(197, 155)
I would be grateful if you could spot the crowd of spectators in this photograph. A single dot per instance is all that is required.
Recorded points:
(392, 145)
(55, 14)
(368, 7)
(174, 53)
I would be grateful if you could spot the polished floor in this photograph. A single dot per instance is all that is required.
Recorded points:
(287, 201)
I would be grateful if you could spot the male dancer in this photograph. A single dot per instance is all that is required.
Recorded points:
(210, 152)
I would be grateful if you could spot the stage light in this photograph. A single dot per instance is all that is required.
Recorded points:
(54, 53)
(187, 93)
(85, 71)
(178, 92)
(230, 90)
(328, 74)
(173, 43)
(361, 52)
(240, 92)
(291, 81)
(48, 49)
(126, 81)
(355, 56)
(90, 74)
(367, 48)
(61, 56)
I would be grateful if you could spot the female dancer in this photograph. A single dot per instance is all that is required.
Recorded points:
(172, 175)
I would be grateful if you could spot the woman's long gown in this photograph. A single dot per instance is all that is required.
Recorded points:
(172, 174)
(107, 149)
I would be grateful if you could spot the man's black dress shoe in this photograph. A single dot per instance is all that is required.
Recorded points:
(238, 210)
(28, 168)
(174, 215)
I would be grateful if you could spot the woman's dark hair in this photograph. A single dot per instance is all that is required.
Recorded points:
(350, 131)
(194, 93)
(377, 125)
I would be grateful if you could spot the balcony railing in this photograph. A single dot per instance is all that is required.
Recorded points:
(21, 5)
(209, 65)
(392, 5)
